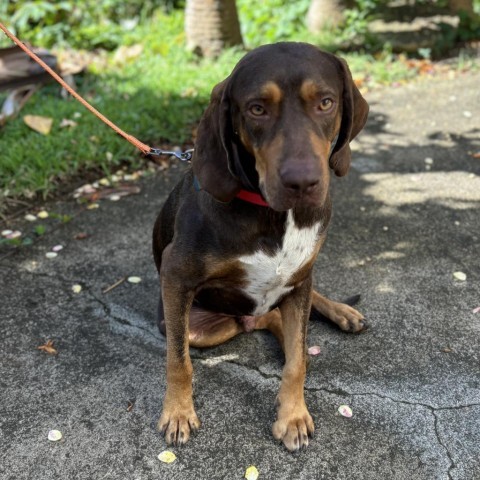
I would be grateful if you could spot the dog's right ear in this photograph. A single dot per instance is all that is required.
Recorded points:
(211, 160)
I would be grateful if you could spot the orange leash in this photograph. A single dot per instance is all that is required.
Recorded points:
(146, 149)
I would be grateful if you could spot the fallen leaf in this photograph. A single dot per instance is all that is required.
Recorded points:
(40, 124)
(55, 435)
(167, 457)
(447, 350)
(130, 405)
(345, 411)
(48, 348)
(315, 350)
(40, 230)
(81, 236)
(251, 473)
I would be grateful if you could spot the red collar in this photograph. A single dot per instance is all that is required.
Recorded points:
(252, 197)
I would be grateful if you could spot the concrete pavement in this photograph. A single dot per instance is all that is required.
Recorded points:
(406, 218)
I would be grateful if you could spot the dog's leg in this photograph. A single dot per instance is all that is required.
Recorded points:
(272, 321)
(294, 423)
(178, 417)
(346, 317)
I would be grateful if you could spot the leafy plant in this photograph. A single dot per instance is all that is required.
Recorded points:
(87, 24)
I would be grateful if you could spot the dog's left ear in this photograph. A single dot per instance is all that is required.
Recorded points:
(354, 117)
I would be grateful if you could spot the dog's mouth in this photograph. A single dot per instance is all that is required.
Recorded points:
(282, 199)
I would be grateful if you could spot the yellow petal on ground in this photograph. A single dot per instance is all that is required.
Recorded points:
(167, 457)
(345, 411)
(43, 214)
(104, 181)
(134, 279)
(40, 124)
(76, 288)
(55, 435)
(92, 206)
(30, 218)
(460, 276)
(251, 473)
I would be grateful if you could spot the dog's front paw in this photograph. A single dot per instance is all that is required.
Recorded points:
(177, 423)
(293, 428)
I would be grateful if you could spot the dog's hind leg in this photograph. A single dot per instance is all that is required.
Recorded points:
(342, 314)
(208, 329)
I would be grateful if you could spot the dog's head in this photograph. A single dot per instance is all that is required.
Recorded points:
(277, 124)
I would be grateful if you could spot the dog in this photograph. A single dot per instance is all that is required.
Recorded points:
(238, 236)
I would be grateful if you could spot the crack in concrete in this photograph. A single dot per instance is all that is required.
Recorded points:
(440, 442)
(341, 392)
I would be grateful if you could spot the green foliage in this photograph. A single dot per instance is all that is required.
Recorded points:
(86, 24)
(271, 20)
(158, 95)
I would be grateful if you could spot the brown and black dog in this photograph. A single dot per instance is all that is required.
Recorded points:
(237, 238)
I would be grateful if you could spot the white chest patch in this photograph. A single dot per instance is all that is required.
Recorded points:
(267, 275)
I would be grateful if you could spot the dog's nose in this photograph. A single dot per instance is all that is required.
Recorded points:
(301, 180)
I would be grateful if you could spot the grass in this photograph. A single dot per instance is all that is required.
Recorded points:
(157, 96)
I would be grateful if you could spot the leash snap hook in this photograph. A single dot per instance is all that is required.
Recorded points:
(183, 156)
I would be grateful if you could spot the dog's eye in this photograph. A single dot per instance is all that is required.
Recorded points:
(325, 104)
(257, 110)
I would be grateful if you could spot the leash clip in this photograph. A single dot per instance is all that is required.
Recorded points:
(182, 156)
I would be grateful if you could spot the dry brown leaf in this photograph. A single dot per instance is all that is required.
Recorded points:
(48, 348)
(40, 124)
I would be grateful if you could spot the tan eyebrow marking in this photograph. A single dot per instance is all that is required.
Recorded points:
(272, 91)
(308, 90)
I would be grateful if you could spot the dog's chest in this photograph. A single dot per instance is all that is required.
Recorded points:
(268, 275)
